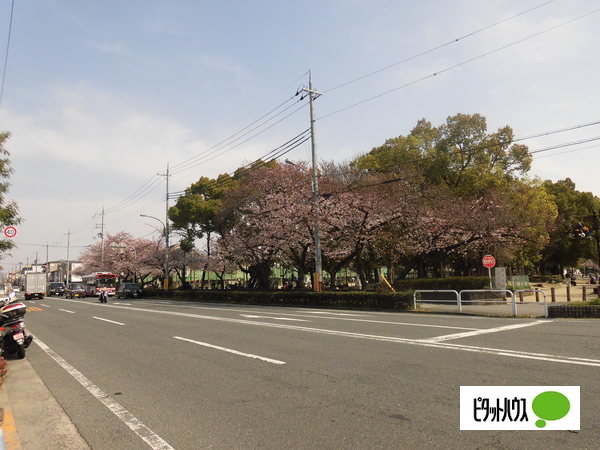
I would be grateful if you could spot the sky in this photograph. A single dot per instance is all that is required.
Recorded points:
(99, 97)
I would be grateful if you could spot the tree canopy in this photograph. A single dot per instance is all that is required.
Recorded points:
(9, 212)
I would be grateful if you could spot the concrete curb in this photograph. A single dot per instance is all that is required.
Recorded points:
(9, 438)
(38, 420)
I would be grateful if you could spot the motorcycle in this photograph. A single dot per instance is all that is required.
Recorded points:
(103, 297)
(13, 337)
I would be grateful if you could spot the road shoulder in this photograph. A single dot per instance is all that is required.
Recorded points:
(40, 421)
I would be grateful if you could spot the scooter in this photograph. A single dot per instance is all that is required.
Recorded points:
(14, 338)
(103, 297)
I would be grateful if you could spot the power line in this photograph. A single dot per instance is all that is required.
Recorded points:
(462, 63)
(568, 151)
(141, 194)
(12, 7)
(453, 41)
(214, 153)
(545, 149)
(272, 155)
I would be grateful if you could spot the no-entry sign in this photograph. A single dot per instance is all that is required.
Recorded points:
(488, 261)
(10, 232)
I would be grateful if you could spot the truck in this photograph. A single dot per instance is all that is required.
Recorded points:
(35, 285)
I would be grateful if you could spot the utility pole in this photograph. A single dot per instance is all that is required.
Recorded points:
(102, 241)
(68, 262)
(166, 175)
(318, 275)
(47, 263)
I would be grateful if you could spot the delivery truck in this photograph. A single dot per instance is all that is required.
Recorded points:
(35, 285)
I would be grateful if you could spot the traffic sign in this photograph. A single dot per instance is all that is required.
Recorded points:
(488, 261)
(10, 232)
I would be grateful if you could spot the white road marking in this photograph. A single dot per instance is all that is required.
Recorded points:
(250, 316)
(418, 342)
(333, 314)
(228, 350)
(67, 311)
(106, 320)
(126, 304)
(327, 317)
(449, 337)
(151, 438)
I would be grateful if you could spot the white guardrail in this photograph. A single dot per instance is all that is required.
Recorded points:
(418, 298)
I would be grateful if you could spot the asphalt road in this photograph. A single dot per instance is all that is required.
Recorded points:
(159, 373)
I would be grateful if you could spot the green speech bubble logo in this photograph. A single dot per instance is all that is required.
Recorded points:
(550, 405)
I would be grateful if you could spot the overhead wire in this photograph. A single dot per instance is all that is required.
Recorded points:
(233, 138)
(221, 151)
(264, 160)
(12, 7)
(438, 47)
(141, 194)
(462, 63)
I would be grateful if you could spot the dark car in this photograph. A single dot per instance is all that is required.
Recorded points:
(129, 290)
(55, 288)
(75, 290)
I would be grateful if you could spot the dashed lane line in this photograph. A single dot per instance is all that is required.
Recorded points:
(251, 316)
(106, 320)
(152, 439)
(67, 311)
(229, 350)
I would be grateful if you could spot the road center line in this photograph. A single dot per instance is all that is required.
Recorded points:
(418, 342)
(106, 320)
(228, 350)
(449, 337)
(67, 311)
(152, 439)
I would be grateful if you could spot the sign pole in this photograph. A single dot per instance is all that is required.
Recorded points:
(489, 261)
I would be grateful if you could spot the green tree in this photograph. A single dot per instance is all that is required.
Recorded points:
(460, 154)
(196, 213)
(574, 208)
(9, 212)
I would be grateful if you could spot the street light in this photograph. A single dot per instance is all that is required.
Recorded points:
(166, 231)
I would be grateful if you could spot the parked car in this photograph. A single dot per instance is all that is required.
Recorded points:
(75, 290)
(16, 289)
(55, 288)
(129, 290)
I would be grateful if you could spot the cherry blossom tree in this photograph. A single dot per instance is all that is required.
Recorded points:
(129, 257)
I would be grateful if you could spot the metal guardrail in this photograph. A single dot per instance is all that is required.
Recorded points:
(460, 299)
(490, 291)
(458, 303)
(537, 291)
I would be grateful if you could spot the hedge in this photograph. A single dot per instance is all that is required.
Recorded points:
(361, 300)
(449, 283)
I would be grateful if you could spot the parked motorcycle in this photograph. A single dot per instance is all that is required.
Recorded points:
(13, 337)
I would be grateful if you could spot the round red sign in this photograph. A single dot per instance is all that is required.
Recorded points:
(488, 261)
(10, 232)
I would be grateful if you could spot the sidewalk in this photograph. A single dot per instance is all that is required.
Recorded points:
(33, 419)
